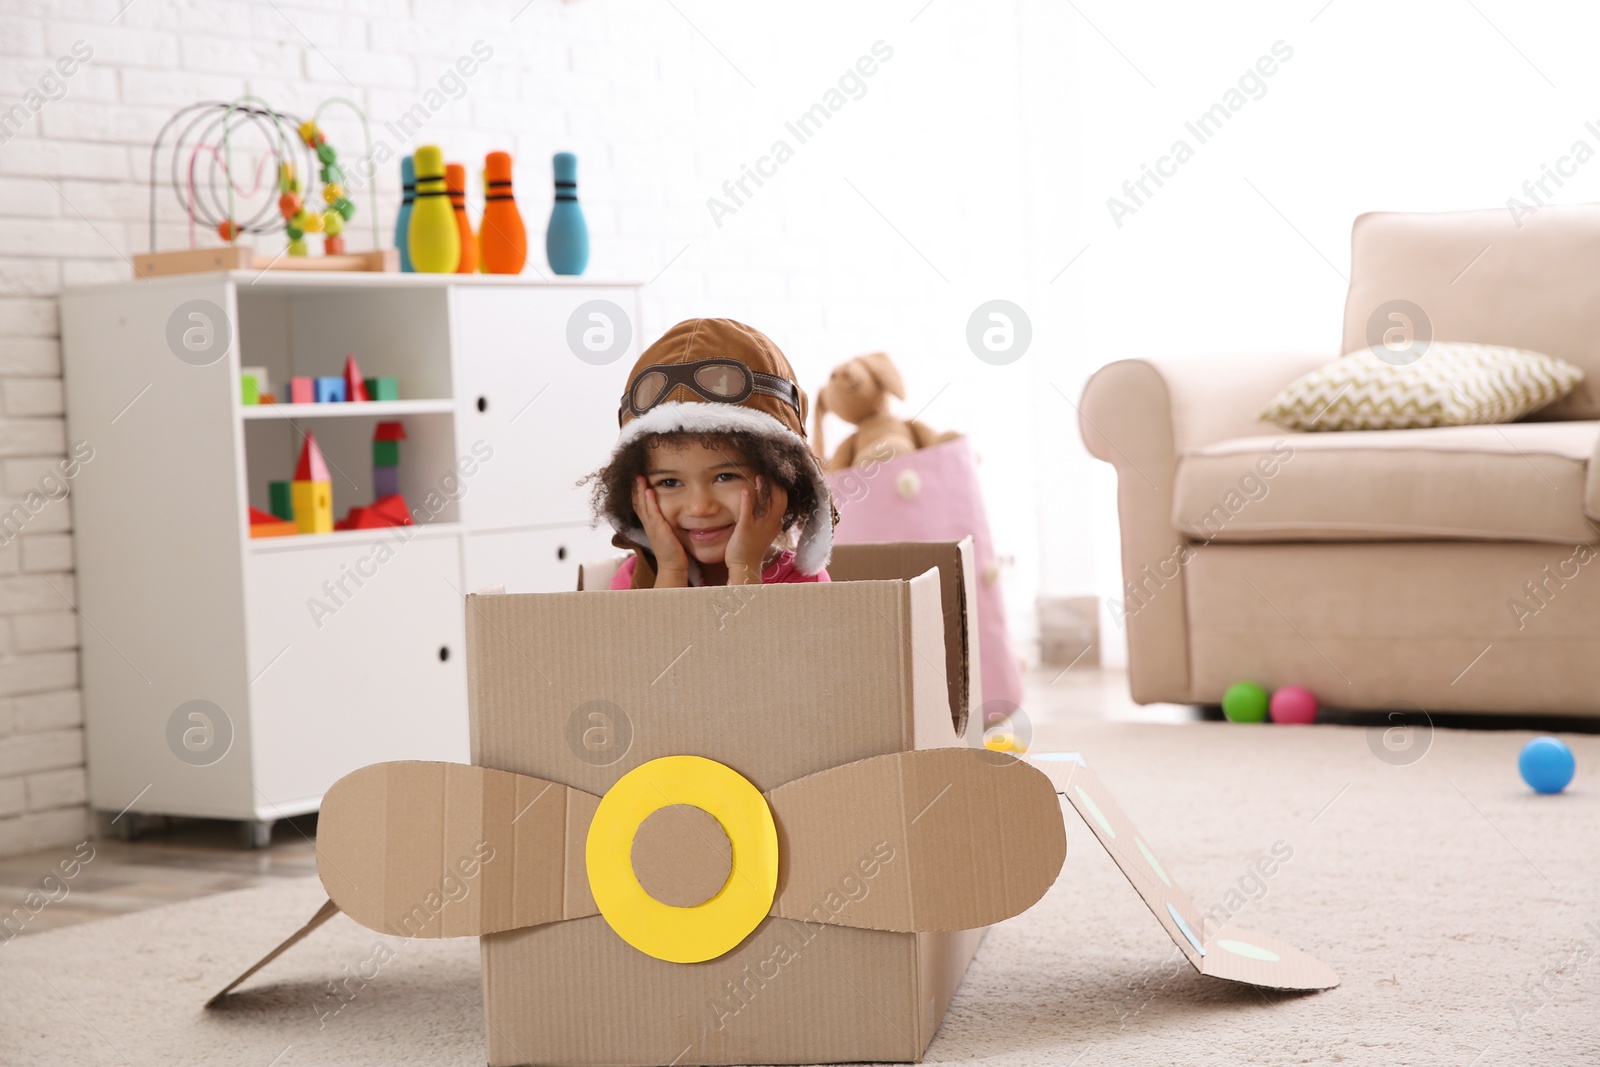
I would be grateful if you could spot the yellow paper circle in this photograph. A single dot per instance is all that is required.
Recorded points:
(704, 931)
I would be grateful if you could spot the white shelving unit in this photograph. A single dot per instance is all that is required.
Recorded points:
(178, 603)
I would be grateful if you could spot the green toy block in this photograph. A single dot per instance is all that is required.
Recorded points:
(383, 389)
(282, 500)
(386, 453)
(249, 389)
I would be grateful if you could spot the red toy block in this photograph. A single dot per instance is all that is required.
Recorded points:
(311, 467)
(355, 386)
(393, 509)
(263, 524)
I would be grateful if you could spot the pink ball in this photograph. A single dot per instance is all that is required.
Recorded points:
(1293, 704)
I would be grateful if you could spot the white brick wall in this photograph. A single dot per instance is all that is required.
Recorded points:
(657, 102)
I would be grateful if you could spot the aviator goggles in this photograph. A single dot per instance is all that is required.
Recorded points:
(720, 380)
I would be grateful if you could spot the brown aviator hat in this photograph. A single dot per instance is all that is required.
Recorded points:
(721, 376)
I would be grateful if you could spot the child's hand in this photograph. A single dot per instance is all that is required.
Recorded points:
(672, 563)
(753, 534)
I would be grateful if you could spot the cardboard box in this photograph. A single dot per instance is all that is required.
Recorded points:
(777, 682)
(732, 824)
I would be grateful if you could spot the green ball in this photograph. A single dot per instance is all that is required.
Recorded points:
(294, 233)
(345, 207)
(325, 153)
(1245, 702)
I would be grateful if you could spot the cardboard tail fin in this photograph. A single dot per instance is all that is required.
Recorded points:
(1228, 952)
(328, 910)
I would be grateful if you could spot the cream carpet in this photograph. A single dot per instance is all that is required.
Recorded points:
(1459, 909)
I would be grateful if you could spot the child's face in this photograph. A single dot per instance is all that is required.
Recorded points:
(698, 490)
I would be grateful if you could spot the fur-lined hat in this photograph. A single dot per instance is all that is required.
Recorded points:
(677, 386)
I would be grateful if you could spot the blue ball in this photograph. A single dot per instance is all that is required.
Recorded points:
(1546, 765)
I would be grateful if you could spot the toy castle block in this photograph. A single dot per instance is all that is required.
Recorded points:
(312, 490)
(386, 440)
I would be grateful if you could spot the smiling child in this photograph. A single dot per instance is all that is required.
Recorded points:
(712, 478)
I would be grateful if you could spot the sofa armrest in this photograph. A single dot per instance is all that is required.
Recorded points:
(1201, 400)
(1141, 415)
(1591, 486)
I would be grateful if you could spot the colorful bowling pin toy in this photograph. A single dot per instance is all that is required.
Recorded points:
(432, 238)
(502, 236)
(455, 181)
(402, 223)
(566, 242)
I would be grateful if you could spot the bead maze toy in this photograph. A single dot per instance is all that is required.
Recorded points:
(230, 196)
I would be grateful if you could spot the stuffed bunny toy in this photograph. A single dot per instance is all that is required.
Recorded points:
(858, 392)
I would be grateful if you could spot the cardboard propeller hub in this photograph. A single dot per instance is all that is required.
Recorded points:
(722, 825)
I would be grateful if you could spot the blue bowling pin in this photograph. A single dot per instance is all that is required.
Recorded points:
(402, 224)
(566, 242)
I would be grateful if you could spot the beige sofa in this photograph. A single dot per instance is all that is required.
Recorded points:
(1450, 569)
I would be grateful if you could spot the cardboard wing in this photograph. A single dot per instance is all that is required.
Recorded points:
(392, 834)
(421, 849)
(1227, 952)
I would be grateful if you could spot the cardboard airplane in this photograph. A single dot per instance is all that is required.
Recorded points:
(699, 879)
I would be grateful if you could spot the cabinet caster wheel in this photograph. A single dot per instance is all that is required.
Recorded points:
(255, 833)
(128, 827)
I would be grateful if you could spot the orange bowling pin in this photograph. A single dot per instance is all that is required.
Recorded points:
(502, 237)
(455, 180)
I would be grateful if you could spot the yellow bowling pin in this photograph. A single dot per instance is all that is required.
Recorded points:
(434, 240)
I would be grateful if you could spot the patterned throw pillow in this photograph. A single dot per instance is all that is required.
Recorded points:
(1449, 384)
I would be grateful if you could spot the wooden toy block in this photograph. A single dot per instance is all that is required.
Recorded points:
(302, 391)
(393, 510)
(263, 380)
(312, 491)
(282, 505)
(249, 389)
(385, 511)
(385, 481)
(313, 506)
(330, 390)
(269, 398)
(355, 386)
(385, 453)
(311, 467)
(383, 388)
(265, 525)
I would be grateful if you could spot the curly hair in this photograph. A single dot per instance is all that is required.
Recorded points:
(779, 462)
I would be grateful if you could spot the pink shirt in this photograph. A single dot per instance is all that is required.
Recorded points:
(779, 570)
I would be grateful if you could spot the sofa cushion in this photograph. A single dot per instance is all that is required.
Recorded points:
(1512, 482)
(1450, 383)
(1522, 276)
